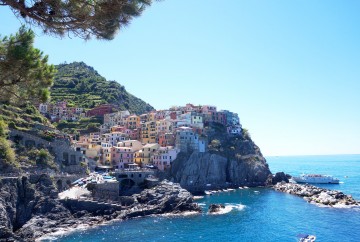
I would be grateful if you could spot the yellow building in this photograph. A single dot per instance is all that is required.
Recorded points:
(133, 122)
(144, 157)
(148, 132)
(152, 116)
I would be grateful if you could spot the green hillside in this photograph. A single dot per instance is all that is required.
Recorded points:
(81, 85)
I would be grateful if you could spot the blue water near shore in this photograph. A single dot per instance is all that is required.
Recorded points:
(257, 214)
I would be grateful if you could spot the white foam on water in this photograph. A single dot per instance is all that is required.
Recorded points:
(228, 208)
(189, 213)
(198, 197)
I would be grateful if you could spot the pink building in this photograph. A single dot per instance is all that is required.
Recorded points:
(122, 156)
(164, 157)
(220, 118)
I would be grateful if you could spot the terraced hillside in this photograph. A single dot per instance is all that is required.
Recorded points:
(81, 85)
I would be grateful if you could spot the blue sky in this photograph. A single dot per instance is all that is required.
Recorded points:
(290, 69)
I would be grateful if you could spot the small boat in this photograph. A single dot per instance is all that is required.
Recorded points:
(208, 192)
(316, 178)
(306, 237)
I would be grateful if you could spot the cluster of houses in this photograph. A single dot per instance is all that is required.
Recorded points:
(154, 138)
(150, 139)
(60, 111)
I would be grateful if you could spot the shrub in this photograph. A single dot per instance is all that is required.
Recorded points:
(3, 128)
(7, 153)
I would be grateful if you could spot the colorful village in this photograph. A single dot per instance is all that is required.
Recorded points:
(149, 140)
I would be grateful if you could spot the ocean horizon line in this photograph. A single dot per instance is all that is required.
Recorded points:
(266, 156)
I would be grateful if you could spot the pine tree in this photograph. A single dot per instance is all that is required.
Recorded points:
(83, 18)
(24, 72)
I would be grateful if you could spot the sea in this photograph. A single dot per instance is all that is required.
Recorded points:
(255, 214)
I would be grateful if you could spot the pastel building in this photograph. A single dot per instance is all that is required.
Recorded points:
(135, 144)
(121, 157)
(163, 125)
(100, 110)
(188, 140)
(234, 129)
(144, 156)
(166, 139)
(105, 153)
(43, 108)
(133, 122)
(116, 118)
(164, 157)
(148, 132)
(197, 120)
(114, 137)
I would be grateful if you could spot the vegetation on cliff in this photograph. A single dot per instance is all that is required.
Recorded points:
(7, 153)
(14, 156)
(22, 117)
(81, 85)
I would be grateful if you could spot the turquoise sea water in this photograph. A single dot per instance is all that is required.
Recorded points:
(257, 214)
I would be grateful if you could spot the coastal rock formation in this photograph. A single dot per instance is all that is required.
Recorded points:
(234, 161)
(317, 195)
(30, 208)
(278, 177)
(167, 197)
(215, 208)
(20, 200)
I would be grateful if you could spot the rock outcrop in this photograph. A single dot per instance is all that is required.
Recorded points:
(234, 161)
(30, 208)
(318, 195)
(215, 208)
(278, 177)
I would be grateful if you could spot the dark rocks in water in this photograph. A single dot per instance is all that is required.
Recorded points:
(215, 208)
(317, 195)
(28, 209)
(166, 197)
(278, 177)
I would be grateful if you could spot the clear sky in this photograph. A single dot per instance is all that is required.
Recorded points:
(290, 69)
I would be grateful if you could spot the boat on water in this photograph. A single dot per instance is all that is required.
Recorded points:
(306, 238)
(315, 178)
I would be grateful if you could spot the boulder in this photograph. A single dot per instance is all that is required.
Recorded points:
(215, 208)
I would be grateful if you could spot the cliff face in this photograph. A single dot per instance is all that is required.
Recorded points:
(230, 161)
(29, 207)
(21, 200)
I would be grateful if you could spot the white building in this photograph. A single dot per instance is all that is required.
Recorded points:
(164, 157)
(43, 108)
(114, 137)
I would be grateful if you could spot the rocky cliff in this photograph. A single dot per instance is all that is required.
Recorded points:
(21, 200)
(29, 208)
(230, 161)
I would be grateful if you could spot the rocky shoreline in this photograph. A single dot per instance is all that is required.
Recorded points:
(31, 210)
(317, 195)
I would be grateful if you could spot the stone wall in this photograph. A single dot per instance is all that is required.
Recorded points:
(63, 152)
(109, 190)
